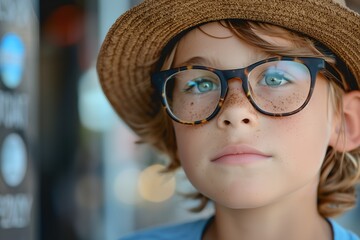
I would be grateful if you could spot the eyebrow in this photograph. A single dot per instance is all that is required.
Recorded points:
(195, 61)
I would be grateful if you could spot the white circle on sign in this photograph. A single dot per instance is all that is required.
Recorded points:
(13, 160)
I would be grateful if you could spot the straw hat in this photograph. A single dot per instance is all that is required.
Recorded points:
(138, 36)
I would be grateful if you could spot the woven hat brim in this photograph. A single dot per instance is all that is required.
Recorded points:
(137, 37)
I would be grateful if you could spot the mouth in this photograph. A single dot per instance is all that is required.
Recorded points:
(239, 154)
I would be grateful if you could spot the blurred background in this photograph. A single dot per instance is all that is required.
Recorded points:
(70, 169)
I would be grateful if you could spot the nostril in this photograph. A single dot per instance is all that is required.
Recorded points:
(246, 120)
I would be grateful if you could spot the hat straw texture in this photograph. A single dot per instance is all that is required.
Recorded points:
(137, 38)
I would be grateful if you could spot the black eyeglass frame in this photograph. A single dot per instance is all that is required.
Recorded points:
(314, 65)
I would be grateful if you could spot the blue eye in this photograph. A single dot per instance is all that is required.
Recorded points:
(200, 85)
(274, 78)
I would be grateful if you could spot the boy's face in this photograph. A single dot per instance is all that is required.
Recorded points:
(241, 158)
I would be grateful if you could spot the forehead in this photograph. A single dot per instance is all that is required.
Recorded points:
(215, 43)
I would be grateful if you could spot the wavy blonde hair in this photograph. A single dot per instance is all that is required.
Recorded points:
(340, 171)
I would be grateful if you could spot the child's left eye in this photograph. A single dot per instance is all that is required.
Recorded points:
(275, 78)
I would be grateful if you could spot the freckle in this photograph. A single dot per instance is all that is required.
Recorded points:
(235, 98)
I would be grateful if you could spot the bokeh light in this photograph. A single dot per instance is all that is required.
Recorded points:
(156, 186)
(65, 26)
(95, 111)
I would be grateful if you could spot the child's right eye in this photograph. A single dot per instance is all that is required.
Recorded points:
(200, 85)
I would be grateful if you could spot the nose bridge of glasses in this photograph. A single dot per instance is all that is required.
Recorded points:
(237, 85)
(239, 74)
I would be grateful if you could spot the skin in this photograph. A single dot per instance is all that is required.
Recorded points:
(267, 198)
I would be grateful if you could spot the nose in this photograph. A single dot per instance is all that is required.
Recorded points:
(236, 111)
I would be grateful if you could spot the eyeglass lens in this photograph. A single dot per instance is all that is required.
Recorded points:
(275, 87)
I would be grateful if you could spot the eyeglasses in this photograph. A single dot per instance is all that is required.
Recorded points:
(278, 86)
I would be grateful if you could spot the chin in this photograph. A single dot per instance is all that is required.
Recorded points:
(242, 201)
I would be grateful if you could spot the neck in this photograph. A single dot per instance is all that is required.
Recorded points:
(294, 218)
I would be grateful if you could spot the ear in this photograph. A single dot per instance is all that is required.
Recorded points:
(351, 139)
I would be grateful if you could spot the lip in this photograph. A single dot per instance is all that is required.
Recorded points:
(239, 154)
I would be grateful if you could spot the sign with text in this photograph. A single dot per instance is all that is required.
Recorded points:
(18, 122)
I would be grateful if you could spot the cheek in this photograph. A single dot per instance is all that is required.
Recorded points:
(194, 108)
(192, 146)
(188, 142)
(306, 135)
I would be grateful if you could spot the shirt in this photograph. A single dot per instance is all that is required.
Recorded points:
(194, 230)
